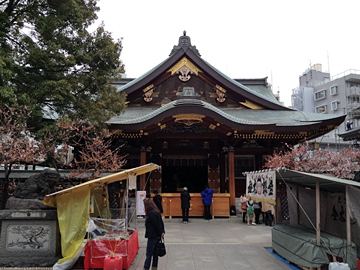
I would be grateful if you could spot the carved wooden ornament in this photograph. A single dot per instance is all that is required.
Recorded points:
(221, 96)
(148, 95)
(184, 73)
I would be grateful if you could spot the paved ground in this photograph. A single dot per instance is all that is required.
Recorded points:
(218, 244)
(214, 244)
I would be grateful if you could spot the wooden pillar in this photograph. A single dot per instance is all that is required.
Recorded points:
(298, 205)
(142, 162)
(318, 211)
(348, 228)
(231, 176)
(222, 173)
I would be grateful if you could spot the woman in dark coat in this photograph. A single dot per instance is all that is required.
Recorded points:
(154, 226)
(185, 204)
(158, 200)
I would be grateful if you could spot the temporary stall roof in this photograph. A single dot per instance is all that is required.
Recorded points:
(73, 211)
(111, 178)
(318, 182)
(326, 183)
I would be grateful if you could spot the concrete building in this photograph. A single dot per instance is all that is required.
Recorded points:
(320, 93)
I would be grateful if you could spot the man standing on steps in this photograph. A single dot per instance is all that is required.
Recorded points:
(185, 205)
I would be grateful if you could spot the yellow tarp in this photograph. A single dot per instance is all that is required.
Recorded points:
(73, 214)
(73, 208)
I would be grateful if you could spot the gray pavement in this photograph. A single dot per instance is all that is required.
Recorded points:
(219, 244)
(212, 244)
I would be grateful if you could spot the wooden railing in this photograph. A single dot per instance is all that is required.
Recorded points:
(171, 203)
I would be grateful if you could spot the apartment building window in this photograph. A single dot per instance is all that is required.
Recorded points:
(320, 95)
(354, 99)
(321, 109)
(334, 105)
(334, 90)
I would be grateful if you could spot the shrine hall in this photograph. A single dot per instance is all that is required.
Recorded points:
(204, 128)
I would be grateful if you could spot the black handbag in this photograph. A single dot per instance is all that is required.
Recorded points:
(161, 250)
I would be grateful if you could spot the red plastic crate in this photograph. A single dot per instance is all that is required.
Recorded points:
(113, 263)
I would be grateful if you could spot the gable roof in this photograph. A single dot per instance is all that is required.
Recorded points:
(265, 115)
(259, 95)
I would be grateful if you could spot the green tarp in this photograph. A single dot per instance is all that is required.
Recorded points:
(298, 245)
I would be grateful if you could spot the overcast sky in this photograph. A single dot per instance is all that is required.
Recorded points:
(243, 39)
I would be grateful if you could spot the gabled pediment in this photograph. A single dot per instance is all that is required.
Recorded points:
(185, 70)
(186, 90)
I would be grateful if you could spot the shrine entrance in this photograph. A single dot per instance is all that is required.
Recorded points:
(175, 178)
(184, 171)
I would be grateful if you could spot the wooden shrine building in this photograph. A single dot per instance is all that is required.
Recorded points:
(203, 127)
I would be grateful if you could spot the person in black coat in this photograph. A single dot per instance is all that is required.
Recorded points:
(185, 204)
(158, 201)
(154, 230)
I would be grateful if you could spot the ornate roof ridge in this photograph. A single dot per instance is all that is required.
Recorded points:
(184, 43)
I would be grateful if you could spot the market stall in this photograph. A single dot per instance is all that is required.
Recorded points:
(86, 223)
(324, 213)
(110, 238)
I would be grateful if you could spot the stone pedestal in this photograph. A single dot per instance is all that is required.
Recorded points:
(29, 238)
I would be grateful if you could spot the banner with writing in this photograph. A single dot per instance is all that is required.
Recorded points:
(261, 186)
(140, 196)
(132, 181)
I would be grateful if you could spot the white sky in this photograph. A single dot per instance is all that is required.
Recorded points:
(243, 39)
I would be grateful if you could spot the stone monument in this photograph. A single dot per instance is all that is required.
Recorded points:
(30, 234)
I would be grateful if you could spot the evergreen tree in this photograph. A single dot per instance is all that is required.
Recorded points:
(50, 62)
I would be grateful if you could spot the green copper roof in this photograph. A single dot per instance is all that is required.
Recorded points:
(257, 91)
(124, 87)
(134, 115)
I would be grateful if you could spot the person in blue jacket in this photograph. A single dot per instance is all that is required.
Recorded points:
(207, 195)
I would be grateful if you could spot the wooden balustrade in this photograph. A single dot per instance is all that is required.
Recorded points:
(171, 203)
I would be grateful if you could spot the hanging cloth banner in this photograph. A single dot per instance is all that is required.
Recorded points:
(140, 196)
(132, 181)
(261, 186)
